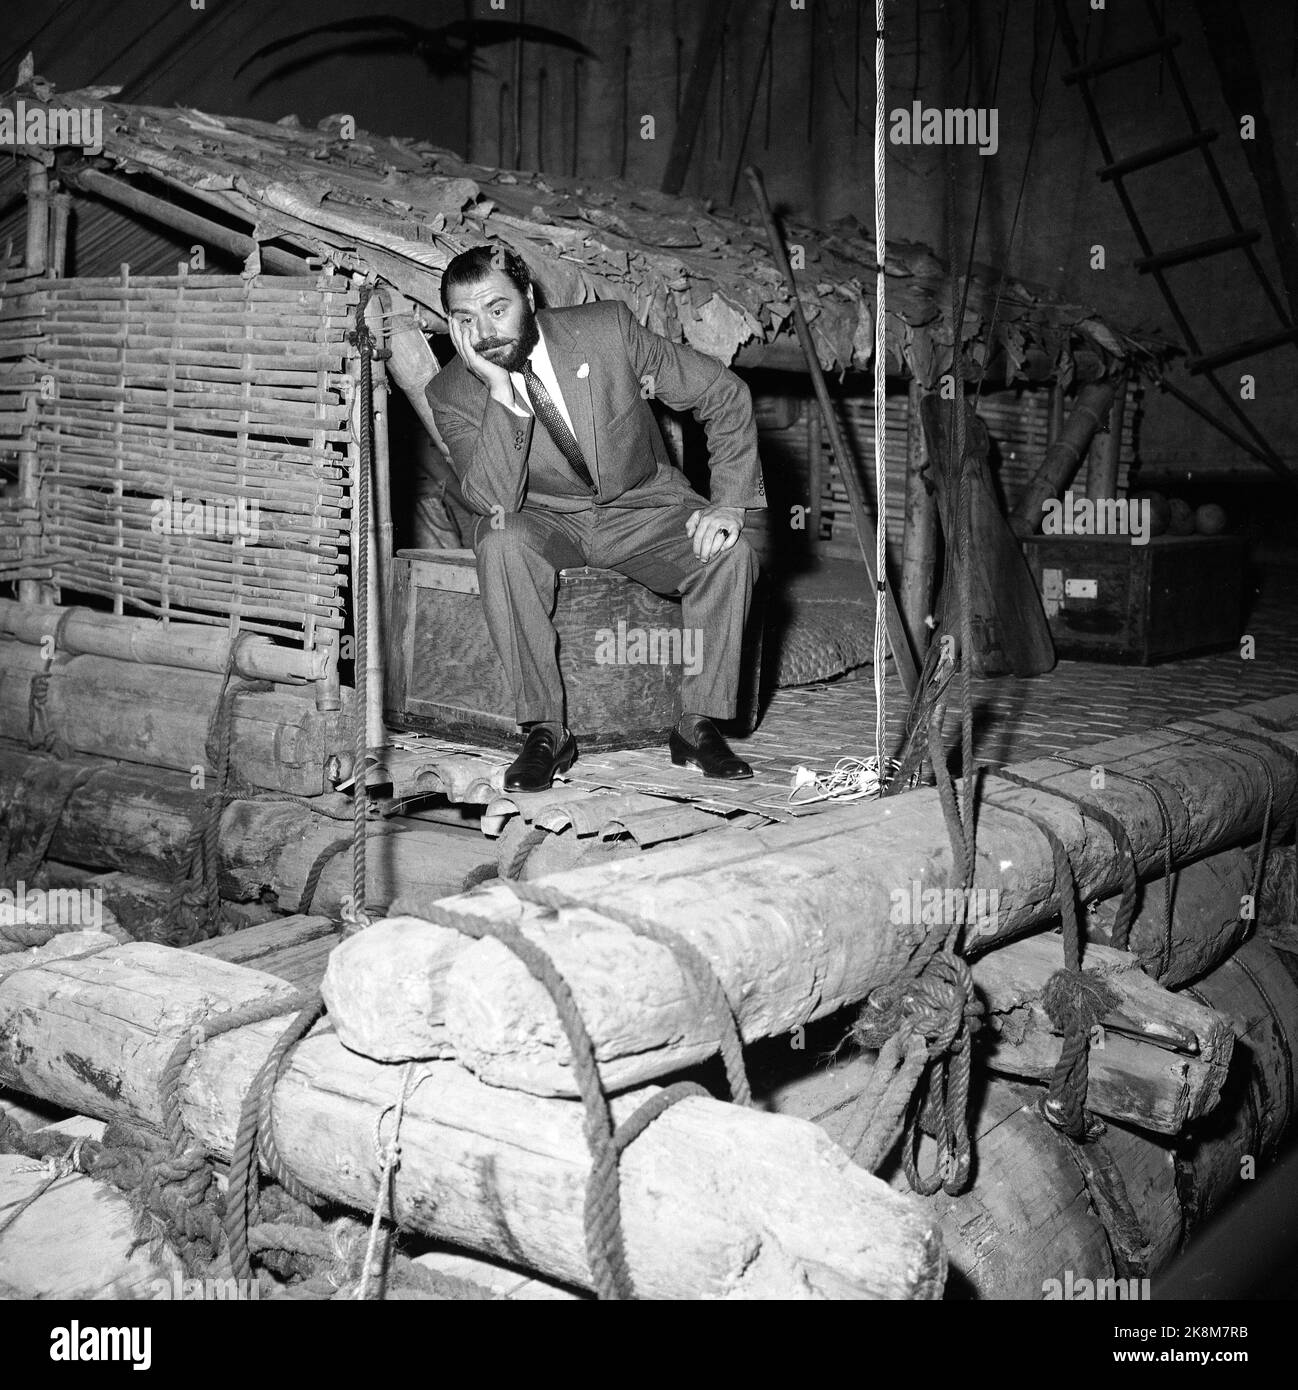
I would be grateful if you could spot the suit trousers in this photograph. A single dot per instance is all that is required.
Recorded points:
(519, 555)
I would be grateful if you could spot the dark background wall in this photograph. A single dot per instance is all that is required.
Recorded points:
(811, 97)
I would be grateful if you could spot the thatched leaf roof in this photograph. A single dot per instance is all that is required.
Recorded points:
(402, 208)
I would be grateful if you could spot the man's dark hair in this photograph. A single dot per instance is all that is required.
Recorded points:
(475, 264)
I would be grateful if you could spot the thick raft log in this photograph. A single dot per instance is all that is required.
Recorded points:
(798, 920)
(160, 716)
(717, 1201)
(1158, 1061)
(137, 820)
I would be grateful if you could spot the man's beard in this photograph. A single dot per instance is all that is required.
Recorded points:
(519, 349)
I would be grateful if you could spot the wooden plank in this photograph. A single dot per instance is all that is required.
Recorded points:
(256, 944)
(1157, 1061)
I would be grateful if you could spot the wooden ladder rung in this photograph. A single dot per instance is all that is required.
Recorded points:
(1212, 360)
(1156, 154)
(1123, 59)
(1196, 251)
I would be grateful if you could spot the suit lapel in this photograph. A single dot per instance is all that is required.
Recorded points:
(566, 357)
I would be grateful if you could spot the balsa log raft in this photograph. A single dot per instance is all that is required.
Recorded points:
(1159, 1062)
(160, 715)
(717, 1201)
(139, 820)
(801, 920)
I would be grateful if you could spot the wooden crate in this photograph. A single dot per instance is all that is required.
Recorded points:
(443, 675)
(1109, 600)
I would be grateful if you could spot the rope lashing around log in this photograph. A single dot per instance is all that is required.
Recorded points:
(912, 1022)
(24, 847)
(605, 1247)
(290, 1240)
(926, 1015)
(256, 1133)
(356, 917)
(389, 1156)
(1165, 818)
(194, 908)
(1126, 856)
(38, 698)
(188, 1161)
(1075, 1000)
(698, 969)
(1259, 868)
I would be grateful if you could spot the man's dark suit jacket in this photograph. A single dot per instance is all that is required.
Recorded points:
(509, 461)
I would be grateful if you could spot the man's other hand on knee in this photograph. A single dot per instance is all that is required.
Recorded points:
(714, 530)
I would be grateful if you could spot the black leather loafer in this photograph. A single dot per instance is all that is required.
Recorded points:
(710, 752)
(540, 762)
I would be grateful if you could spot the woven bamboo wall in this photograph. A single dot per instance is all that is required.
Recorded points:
(192, 445)
(1016, 421)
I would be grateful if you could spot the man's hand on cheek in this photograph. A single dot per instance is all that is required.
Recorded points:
(493, 376)
(714, 530)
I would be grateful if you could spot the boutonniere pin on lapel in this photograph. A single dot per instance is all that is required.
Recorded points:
(583, 371)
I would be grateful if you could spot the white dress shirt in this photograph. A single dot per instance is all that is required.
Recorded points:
(544, 369)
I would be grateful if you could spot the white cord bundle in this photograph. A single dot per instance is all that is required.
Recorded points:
(851, 779)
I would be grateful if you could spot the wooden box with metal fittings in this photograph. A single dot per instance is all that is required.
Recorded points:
(619, 653)
(1108, 599)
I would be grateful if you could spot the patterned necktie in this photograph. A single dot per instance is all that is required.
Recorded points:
(556, 427)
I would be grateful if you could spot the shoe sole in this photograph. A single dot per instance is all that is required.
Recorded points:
(710, 776)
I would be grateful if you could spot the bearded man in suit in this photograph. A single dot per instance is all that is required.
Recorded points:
(547, 419)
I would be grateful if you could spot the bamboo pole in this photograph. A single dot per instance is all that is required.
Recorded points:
(58, 253)
(815, 473)
(1055, 413)
(159, 353)
(866, 535)
(181, 219)
(1063, 456)
(1106, 450)
(38, 217)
